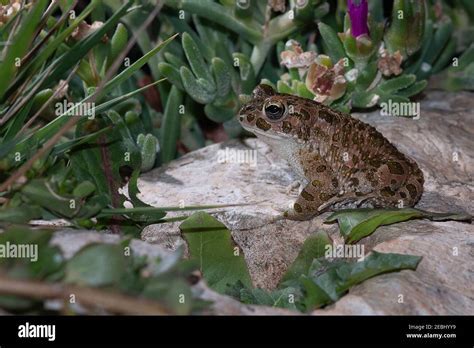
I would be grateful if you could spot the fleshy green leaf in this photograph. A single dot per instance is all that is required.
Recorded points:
(282, 87)
(147, 144)
(397, 83)
(195, 58)
(198, 89)
(334, 46)
(96, 265)
(412, 90)
(118, 42)
(171, 73)
(210, 244)
(247, 73)
(219, 114)
(222, 76)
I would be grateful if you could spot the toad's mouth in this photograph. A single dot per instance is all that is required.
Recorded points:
(258, 132)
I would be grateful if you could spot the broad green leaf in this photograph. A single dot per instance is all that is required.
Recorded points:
(175, 293)
(181, 26)
(314, 296)
(314, 247)
(20, 215)
(41, 261)
(96, 265)
(283, 298)
(414, 67)
(41, 193)
(210, 243)
(337, 276)
(101, 162)
(355, 224)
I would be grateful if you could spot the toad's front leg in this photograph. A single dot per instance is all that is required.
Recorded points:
(315, 194)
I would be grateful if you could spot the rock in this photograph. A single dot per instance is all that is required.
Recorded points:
(441, 141)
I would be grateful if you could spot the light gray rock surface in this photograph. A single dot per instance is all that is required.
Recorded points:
(441, 141)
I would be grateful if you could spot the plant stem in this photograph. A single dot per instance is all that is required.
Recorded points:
(93, 298)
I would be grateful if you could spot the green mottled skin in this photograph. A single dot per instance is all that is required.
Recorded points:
(342, 162)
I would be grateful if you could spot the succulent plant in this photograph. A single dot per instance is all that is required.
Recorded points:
(68, 128)
(363, 66)
(347, 59)
(211, 68)
(206, 82)
(148, 145)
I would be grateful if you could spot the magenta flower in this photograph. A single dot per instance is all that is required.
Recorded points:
(358, 12)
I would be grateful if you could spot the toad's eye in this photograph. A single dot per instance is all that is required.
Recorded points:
(274, 111)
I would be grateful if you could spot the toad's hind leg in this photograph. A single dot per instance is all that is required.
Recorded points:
(315, 194)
